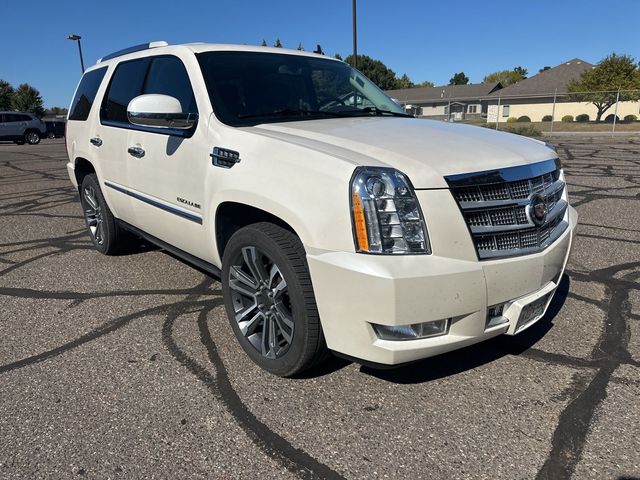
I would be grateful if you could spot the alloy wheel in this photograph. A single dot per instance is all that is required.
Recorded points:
(93, 215)
(261, 302)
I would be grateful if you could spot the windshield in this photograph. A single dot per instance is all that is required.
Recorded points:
(248, 88)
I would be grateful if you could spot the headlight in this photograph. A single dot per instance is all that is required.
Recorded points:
(386, 215)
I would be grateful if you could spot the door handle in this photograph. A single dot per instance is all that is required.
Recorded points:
(136, 152)
(96, 141)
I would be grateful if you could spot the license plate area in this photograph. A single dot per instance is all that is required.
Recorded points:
(531, 312)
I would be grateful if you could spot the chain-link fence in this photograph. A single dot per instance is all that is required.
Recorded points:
(602, 111)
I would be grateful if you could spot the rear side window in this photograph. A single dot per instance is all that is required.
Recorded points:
(167, 76)
(126, 84)
(86, 94)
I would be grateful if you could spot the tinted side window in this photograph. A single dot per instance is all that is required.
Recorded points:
(25, 118)
(11, 117)
(86, 94)
(167, 76)
(126, 84)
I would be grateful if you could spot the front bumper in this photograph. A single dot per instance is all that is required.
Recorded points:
(355, 290)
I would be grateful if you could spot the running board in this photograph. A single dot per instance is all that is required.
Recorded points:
(207, 267)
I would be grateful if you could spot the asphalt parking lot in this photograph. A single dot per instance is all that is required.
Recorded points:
(125, 367)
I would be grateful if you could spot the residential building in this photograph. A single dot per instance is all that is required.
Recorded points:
(536, 96)
(447, 102)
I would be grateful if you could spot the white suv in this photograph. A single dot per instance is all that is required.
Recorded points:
(334, 220)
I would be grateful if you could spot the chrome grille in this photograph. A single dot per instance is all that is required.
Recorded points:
(495, 204)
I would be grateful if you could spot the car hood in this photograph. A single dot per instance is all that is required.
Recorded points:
(425, 150)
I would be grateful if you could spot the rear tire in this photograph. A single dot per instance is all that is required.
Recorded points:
(105, 232)
(32, 137)
(269, 299)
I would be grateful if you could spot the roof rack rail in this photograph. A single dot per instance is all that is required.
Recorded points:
(135, 48)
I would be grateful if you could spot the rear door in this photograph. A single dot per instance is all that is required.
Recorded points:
(14, 126)
(168, 180)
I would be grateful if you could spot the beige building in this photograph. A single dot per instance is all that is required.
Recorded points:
(534, 97)
(446, 102)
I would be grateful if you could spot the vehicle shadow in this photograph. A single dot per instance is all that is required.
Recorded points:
(477, 355)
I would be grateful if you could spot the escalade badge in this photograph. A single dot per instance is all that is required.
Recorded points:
(537, 209)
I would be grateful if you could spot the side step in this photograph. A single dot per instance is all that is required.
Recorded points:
(206, 267)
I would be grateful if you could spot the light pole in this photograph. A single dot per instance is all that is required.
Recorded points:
(77, 39)
(355, 37)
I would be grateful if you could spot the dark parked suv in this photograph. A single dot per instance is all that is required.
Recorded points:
(21, 127)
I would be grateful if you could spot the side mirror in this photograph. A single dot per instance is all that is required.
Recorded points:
(159, 111)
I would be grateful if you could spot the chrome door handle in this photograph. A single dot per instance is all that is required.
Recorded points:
(136, 152)
(96, 141)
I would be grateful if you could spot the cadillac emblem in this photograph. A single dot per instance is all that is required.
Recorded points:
(537, 209)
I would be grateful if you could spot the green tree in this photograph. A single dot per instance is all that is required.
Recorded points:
(376, 71)
(545, 68)
(264, 43)
(614, 73)
(56, 111)
(459, 79)
(426, 83)
(523, 72)
(404, 82)
(506, 77)
(6, 94)
(300, 47)
(338, 56)
(27, 99)
(278, 44)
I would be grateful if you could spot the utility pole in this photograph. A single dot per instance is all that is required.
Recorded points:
(355, 37)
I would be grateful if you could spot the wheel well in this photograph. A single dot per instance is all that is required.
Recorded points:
(232, 216)
(82, 169)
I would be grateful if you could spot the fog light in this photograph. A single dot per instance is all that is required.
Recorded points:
(413, 331)
(494, 316)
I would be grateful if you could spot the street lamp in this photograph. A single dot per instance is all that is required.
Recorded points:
(77, 39)
(355, 37)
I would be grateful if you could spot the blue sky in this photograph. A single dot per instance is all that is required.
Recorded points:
(427, 40)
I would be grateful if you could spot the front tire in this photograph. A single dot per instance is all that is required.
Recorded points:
(32, 137)
(107, 236)
(269, 299)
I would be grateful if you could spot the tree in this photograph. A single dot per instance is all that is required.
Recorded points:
(523, 72)
(404, 82)
(507, 77)
(27, 99)
(338, 56)
(300, 47)
(278, 44)
(6, 94)
(426, 83)
(614, 73)
(56, 111)
(264, 43)
(459, 79)
(545, 68)
(376, 71)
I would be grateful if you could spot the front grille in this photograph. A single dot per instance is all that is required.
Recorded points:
(495, 207)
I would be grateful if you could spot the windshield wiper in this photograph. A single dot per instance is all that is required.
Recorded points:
(290, 112)
(380, 112)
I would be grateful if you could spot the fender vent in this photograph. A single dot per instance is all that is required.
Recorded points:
(224, 158)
